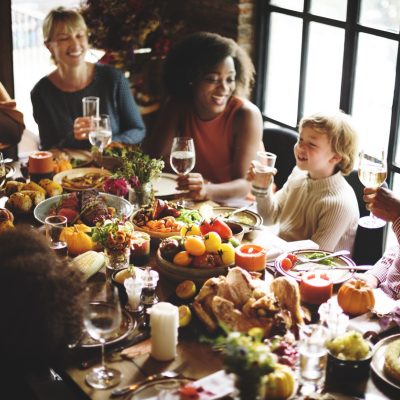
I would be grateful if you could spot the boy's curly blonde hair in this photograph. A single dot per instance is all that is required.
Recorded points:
(341, 134)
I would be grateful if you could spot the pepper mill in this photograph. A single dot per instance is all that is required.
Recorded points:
(149, 296)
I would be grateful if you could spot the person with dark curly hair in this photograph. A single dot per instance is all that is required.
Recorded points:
(40, 306)
(207, 78)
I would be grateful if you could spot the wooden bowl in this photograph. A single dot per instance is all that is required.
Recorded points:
(178, 273)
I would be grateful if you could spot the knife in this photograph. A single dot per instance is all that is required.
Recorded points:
(327, 267)
(110, 355)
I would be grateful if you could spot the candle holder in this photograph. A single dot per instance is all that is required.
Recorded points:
(316, 288)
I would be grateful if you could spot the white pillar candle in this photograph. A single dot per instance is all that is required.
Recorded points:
(164, 323)
(133, 289)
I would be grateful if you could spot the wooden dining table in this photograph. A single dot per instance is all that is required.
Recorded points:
(195, 358)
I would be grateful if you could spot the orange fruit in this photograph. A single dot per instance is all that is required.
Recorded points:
(182, 259)
(186, 290)
(194, 245)
(185, 316)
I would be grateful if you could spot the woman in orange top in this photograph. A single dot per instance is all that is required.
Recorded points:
(207, 78)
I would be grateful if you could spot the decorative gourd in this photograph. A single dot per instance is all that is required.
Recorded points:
(356, 297)
(77, 240)
(279, 384)
(62, 165)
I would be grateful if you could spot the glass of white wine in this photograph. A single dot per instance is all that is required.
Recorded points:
(102, 319)
(100, 134)
(183, 155)
(372, 173)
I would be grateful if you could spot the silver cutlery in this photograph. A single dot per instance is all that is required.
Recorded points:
(151, 378)
(332, 267)
(316, 260)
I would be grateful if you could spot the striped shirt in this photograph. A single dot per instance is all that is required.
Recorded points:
(387, 269)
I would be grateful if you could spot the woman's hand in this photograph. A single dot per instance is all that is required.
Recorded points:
(194, 183)
(82, 128)
(383, 203)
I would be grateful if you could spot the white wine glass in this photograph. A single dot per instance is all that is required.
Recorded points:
(372, 173)
(100, 134)
(102, 319)
(183, 156)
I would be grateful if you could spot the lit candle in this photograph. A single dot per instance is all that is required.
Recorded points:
(315, 288)
(164, 323)
(251, 257)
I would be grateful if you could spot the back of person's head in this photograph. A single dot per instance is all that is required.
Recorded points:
(71, 18)
(341, 133)
(196, 55)
(40, 300)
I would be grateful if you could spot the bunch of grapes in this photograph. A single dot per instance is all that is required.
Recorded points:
(285, 349)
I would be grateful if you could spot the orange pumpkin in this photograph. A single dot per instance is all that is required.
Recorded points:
(78, 241)
(356, 297)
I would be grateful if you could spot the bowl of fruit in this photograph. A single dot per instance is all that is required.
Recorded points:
(349, 356)
(199, 253)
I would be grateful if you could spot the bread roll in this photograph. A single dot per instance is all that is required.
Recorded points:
(20, 202)
(35, 196)
(52, 188)
(13, 187)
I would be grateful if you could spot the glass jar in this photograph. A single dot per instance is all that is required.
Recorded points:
(141, 195)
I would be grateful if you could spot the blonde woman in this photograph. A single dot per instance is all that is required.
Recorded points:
(57, 98)
(316, 202)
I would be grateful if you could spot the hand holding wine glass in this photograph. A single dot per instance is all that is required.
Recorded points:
(372, 173)
(102, 318)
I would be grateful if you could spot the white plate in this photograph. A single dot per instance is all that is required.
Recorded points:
(82, 157)
(126, 327)
(77, 173)
(165, 186)
(378, 359)
(122, 206)
(215, 386)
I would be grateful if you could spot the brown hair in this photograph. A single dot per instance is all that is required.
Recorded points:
(341, 133)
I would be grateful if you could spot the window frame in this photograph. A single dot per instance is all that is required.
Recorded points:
(352, 30)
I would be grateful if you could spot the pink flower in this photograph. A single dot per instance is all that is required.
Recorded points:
(134, 181)
(117, 186)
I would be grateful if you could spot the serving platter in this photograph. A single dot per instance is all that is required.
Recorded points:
(378, 360)
(247, 218)
(122, 206)
(77, 179)
(336, 275)
(126, 327)
(78, 158)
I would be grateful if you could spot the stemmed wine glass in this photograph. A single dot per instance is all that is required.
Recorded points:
(372, 173)
(100, 134)
(102, 318)
(183, 156)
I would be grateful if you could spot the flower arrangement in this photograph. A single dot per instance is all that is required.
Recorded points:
(114, 234)
(123, 27)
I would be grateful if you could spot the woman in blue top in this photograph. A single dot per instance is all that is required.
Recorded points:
(57, 98)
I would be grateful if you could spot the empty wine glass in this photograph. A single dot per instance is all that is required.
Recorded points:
(372, 173)
(102, 318)
(183, 156)
(100, 134)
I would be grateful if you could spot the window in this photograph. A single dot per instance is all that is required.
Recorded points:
(319, 54)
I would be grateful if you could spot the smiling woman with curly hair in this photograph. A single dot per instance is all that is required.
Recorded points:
(40, 303)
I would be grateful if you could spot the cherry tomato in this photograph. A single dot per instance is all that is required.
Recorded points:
(189, 230)
(194, 245)
(286, 264)
(205, 226)
(219, 226)
(206, 260)
(292, 257)
(212, 241)
(227, 252)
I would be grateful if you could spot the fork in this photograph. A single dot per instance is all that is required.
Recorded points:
(316, 260)
(151, 378)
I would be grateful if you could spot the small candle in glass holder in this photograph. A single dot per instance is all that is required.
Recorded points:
(251, 257)
(140, 248)
(315, 288)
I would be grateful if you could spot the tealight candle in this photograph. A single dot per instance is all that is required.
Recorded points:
(251, 257)
(316, 288)
(40, 165)
(164, 324)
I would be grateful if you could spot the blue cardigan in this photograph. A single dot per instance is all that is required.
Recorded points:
(55, 110)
